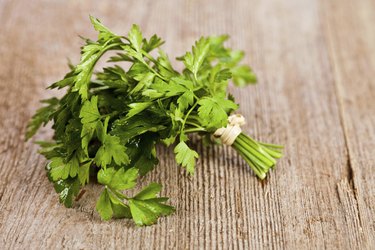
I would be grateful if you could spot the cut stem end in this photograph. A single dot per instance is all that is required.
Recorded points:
(259, 156)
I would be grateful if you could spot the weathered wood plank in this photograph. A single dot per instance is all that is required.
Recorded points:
(321, 194)
(351, 38)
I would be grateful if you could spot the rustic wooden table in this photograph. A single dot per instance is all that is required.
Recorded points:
(315, 61)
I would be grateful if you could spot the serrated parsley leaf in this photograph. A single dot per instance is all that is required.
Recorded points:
(111, 149)
(145, 208)
(104, 33)
(89, 118)
(223, 75)
(146, 212)
(67, 190)
(164, 66)
(118, 179)
(243, 75)
(50, 149)
(193, 61)
(152, 44)
(213, 111)
(89, 111)
(185, 156)
(111, 205)
(185, 100)
(111, 202)
(67, 81)
(84, 173)
(136, 108)
(143, 154)
(104, 205)
(121, 211)
(177, 86)
(145, 80)
(91, 53)
(149, 192)
(135, 37)
(59, 169)
(42, 116)
(126, 129)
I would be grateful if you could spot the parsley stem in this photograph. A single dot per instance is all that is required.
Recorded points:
(252, 158)
(114, 113)
(149, 57)
(271, 149)
(194, 117)
(271, 145)
(186, 116)
(118, 194)
(256, 152)
(273, 153)
(259, 156)
(193, 124)
(253, 144)
(257, 171)
(192, 130)
(154, 71)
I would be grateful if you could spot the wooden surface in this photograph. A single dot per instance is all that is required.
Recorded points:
(315, 61)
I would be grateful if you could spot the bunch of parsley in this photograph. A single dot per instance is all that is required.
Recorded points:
(106, 127)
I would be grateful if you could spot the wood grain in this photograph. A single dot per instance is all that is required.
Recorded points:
(315, 61)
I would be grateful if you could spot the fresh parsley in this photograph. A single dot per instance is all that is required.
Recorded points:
(108, 123)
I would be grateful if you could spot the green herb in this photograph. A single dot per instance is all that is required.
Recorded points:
(106, 126)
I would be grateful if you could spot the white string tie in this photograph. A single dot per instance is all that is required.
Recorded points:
(229, 133)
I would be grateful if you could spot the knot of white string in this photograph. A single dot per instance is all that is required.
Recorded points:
(229, 134)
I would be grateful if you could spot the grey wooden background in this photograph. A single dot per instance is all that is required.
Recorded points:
(315, 60)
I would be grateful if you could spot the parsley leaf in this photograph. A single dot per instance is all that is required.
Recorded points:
(185, 156)
(84, 173)
(145, 208)
(242, 75)
(136, 108)
(67, 190)
(213, 111)
(104, 33)
(118, 179)
(62, 170)
(111, 149)
(104, 206)
(42, 116)
(110, 202)
(89, 117)
(135, 37)
(152, 44)
(194, 60)
(91, 53)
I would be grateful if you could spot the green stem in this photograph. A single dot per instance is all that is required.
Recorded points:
(250, 155)
(193, 124)
(273, 153)
(186, 116)
(270, 145)
(256, 151)
(192, 130)
(257, 171)
(272, 149)
(259, 156)
(149, 57)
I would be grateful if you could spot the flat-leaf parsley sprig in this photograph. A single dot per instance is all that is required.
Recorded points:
(108, 123)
